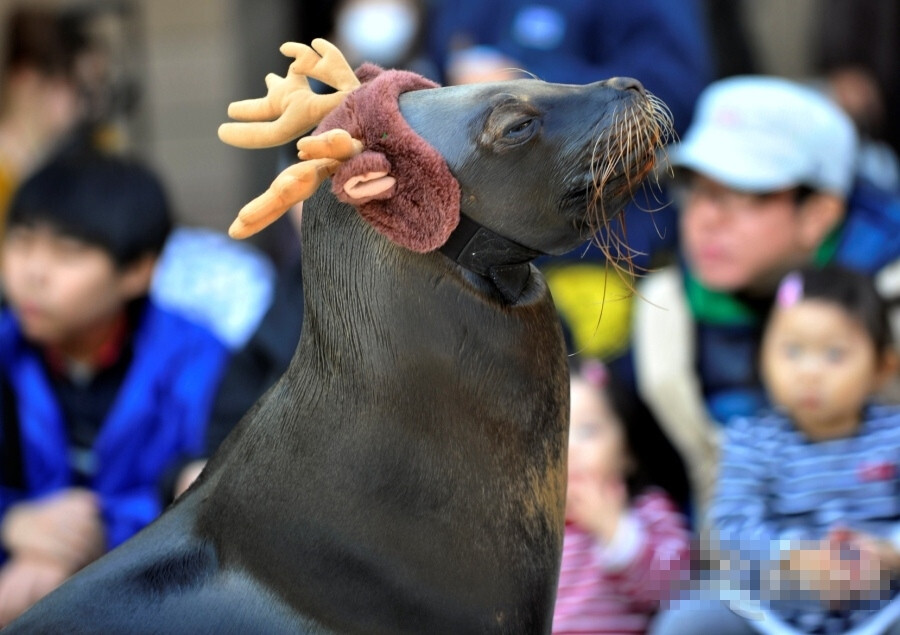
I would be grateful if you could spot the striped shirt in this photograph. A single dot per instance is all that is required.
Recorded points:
(775, 483)
(777, 487)
(616, 588)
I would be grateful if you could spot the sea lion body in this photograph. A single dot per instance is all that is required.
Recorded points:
(407, 473)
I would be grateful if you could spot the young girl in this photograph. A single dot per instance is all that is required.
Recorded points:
(625, 545)
(807, 508)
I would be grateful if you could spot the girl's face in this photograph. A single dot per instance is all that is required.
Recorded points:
(597, 445)
(820, 365)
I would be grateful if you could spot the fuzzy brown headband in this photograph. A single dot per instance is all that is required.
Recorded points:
(421, 209)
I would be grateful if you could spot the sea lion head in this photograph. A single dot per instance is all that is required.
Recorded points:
(545, 165)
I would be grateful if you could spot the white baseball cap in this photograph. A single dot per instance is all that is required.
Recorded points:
(763, 134)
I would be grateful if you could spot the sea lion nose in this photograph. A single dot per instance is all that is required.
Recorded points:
(626, 83)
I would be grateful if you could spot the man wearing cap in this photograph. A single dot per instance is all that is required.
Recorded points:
(765, 180)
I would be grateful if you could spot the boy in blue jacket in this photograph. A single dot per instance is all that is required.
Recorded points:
(101, 391)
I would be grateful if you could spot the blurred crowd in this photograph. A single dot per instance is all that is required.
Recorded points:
(734, 457)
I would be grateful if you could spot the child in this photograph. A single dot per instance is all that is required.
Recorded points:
(101, 391)
(625, 545)
(806, 506)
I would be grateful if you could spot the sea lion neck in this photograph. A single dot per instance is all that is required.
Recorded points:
(381, 283)
(399, 361)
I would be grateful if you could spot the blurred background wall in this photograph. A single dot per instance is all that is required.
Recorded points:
(178, 63)
(175, 65)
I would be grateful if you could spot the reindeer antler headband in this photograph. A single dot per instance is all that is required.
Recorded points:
(397, 181)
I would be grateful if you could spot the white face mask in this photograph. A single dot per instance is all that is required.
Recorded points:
(377, 32)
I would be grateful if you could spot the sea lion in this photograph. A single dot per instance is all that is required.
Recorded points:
(407, 473)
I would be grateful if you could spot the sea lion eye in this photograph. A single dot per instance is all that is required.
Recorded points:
(510, 123)
(521, 129)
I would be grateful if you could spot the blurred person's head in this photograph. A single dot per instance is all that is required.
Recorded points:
(83, 235)
(42, 46)
(598, 442)
(762, 177)
(826, 349)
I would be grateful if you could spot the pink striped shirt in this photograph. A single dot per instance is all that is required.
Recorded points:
(616, 588)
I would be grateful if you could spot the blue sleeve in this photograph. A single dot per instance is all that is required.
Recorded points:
(8, 495)
(126, 513)
(194, 388)
(183, 411)
(738, 514)
(161, 420)
(743, 540)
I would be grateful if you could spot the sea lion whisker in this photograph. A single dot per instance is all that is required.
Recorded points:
(631, 142)
(664, 119)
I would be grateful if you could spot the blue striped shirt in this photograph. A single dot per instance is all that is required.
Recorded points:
(776, 486)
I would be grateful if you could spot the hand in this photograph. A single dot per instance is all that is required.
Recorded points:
(596, 506)
(187, 476)
(875, 560)
(843, 566)
(24, 581)
(879, 552)
(65, 527)
(811, 566)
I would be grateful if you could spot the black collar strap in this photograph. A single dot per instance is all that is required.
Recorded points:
(503, 262)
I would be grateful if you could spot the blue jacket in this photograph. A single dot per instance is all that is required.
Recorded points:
(158, 416)
(663, 44)
(870, 237)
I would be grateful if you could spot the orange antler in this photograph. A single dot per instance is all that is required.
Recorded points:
(324, 154)
(290, 109)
